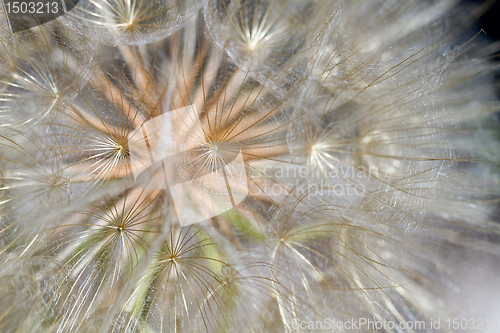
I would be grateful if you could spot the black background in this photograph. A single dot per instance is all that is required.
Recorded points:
(490, 21)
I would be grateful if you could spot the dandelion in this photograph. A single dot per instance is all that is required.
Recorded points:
(247, 166)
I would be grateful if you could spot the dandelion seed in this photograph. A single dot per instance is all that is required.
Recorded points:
(132, 22)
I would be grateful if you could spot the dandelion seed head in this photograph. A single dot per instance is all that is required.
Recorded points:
(245, 165)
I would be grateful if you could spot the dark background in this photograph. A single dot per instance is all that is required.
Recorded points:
(490, 23)
(490, 20)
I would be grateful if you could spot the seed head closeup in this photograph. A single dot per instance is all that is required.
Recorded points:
(249, 166)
